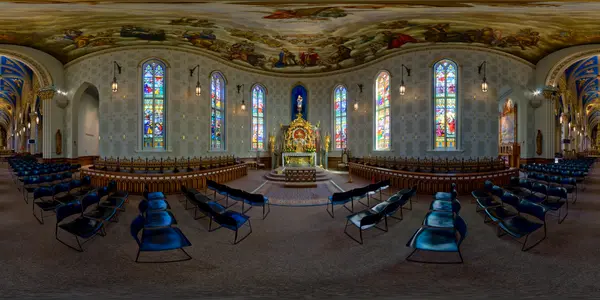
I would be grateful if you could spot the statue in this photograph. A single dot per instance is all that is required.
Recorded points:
(272, 144)
(58, 138)
(538, 143)
(327, 141)
(299, 103)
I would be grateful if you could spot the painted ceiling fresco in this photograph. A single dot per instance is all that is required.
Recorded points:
(283, 37)
(585, 80)
(12, 76)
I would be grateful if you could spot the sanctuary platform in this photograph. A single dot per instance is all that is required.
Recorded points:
(279, 174)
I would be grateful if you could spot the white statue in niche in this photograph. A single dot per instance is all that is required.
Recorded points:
(299, 103)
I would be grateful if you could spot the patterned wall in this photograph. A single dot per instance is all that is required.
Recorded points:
(188, 115)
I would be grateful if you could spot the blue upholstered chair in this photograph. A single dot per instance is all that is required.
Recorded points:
(100, 213)
(256, 200)
(504, 211)
(81, 227)
(158, 239)
(364, 220)
(521, 226)
(570, 185)
(485, 197)
(444, 205)
(557, 200)
(231, 220)
(438, 240)
(155, 218)
(391, 206)
(447, 196)
(29, 185)
(538, 194)
(340, 199)
(43, 198)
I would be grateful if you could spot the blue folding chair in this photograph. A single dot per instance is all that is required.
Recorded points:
(438, 240)
(158, 239)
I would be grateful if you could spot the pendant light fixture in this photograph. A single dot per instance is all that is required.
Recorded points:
(360, 91)
(241, 87)
(484, 85)
(115, 86)
(198, 91)
(402, 86)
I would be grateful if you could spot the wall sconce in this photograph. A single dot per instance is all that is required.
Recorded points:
(198, 91)
(115, 85)
(484, 85)
(37, 120)
(28, 125)
(402, 86)
(241, 87)
(536, 92)
(360, 91)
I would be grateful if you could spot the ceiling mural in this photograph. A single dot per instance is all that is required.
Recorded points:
(583, 78)
(280, 37)
(13, 74)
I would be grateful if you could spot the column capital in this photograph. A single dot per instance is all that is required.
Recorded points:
(46, 93)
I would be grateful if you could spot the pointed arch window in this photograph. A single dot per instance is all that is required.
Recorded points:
(445, 95)
(382, 111)
(217, 112)
(258, 117)
(153, 105)
(340, 110)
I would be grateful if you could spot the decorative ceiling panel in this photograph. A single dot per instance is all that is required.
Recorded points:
(280, 36)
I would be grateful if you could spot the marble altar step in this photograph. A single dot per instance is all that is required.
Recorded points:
(274, 175)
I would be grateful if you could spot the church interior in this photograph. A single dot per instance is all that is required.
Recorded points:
(310, 149)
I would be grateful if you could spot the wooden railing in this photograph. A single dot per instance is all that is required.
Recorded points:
(430, 183)
(146, 165)
(434, 165)
(167, 183)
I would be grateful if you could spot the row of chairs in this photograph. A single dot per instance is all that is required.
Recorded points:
(221, 191)
(569, 183)
(371, 217)
(443, 229)
(28, 184)
(87, 216)
(217, 213)
(553, 198)
(512, 215)
(342, 198)
(158, 227)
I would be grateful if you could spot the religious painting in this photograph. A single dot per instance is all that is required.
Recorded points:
(299, 101)
(508, 122)
(308, 39)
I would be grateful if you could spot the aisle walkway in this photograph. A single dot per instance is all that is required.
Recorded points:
(298, 252)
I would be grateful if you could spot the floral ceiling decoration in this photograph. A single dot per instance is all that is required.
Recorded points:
(280, 36)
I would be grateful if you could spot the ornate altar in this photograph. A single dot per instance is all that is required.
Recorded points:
(299, 147)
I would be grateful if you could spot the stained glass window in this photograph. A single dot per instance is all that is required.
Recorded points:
(445, 124)
(153, 102)
(217, 111)
(258, 117)
(340, 104)
(382, 111)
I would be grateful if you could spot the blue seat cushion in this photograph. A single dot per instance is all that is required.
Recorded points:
(159, 219)
(48, 205)
(357, 217)
(435, 239)
(380, 207)
(535, 198)
(66, 198)
(101, 213)
(553, 205)
(216, 207)
(442, 219)
(238, 217)
(499, 213)
(441, 205)
(159, 239)
(82, 227)
(158, 205)
(519, 226)
(114, 202)
(443, 196)
(155, 196)
(487, 202)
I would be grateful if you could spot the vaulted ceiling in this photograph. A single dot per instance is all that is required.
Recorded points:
(293, 37)
(584, 77)
(13, 74)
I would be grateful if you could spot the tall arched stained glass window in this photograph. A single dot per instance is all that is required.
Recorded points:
(153, 101)
(217, 112)
(445, 124)
(382, 111)
(340, 109)
(258, 117)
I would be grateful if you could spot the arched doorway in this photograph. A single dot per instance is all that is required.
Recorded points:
(88, 123)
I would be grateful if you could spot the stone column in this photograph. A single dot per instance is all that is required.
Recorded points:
(46, 95)
(565, 132)
(33, 134)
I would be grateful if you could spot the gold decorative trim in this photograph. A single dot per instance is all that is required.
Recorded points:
(44, 77)
(409, 49)
(46, 93)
